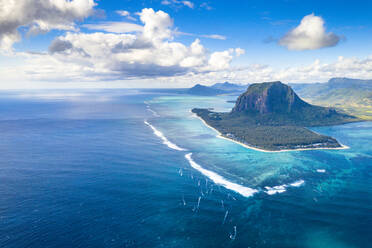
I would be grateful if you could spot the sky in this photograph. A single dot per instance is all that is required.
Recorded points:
(178, 43)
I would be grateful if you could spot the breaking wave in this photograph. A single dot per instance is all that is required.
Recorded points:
(164, 139)
(282, 188)
(217, 179)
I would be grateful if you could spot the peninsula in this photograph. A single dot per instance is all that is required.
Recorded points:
(271, 117)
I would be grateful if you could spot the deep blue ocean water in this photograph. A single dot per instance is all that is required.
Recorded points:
(83, 169)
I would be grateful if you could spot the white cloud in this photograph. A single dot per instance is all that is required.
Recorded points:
(157, 25)
(91, 71)
(188, 4)
(147, 55)
(39, 16)
(214, 36)
(309, 35)
(178, 3)
(123, 12)
(209, 36)
(239, 51)
(256, 73)
(220, 60)
(121, 54)
(126, 14)
(115, 27)
(321, 72)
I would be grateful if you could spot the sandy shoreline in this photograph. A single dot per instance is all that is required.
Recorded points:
(262, 150)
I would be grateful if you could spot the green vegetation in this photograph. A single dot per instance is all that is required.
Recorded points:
(351, 96)
(272, 117)
(270, 136)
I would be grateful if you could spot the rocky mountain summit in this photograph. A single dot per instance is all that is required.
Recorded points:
(269, 97)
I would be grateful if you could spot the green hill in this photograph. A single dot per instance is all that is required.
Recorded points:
(354, 96)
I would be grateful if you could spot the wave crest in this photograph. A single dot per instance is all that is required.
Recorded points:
(217, 179)
(164, 139)
(282, 188)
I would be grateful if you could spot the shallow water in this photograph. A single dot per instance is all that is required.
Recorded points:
(83, 169)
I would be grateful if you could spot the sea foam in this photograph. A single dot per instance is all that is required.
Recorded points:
(275, 189)
(282, 188)
(154, 113)
(297, 183)
(217, 179)
(164, 139)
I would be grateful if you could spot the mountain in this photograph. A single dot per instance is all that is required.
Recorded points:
(226, 86)
(216, 89)
(273, 97)
(354, 96)
(278, 104)
(271, 116)
(202, 90)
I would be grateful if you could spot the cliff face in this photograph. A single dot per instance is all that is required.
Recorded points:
(270, 97)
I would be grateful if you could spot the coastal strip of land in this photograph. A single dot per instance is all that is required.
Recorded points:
(221, 136)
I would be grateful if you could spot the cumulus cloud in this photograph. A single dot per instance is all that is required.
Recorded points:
(119, 53)
(157, 25)
(39, 16)
(309, 35)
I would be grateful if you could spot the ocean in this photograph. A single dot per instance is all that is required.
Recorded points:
(135, 168)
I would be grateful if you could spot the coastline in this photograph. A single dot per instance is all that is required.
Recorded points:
(263, 150)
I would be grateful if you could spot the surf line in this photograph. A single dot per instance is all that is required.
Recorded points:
(217, 179)
(164, 139)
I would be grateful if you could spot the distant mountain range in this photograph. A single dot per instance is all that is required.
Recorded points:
(216, 89)
(271, 116)
(354, 96)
